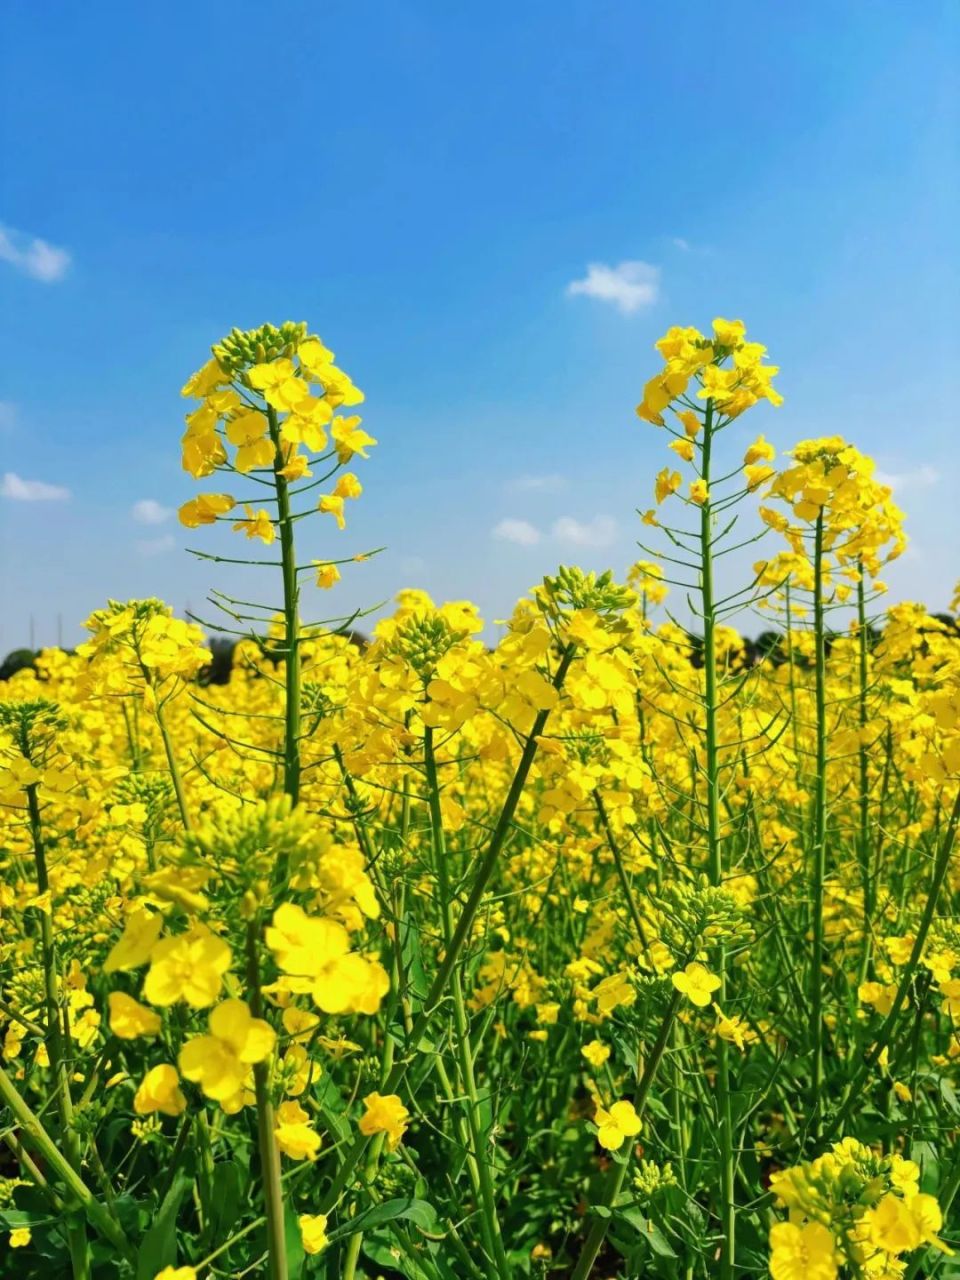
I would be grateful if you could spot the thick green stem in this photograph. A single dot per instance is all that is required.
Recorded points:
(291, 617)
(863, 796)
(56, 1032)
(728, 1212)
(621, 870)
(352, 1251)
(172, 764)
(266, 1141)
(818, 864)
(489, 1221)
(944, 853)
(438, 987)
(618, 1171)
(34, 1135)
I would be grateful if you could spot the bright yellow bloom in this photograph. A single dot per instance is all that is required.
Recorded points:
(129, 1018)
(950, 991)
(691, 423)
(160, 1091)
(384, 1114)
(806, 1252)
(760, 451)
(220, 1062)
(667, 482)
(204, 509)
(683, 449)
(697, 983)
(20, 1237)
(699, 493)
(879, 995)
(596, 1052)
(279, 385)
(293, 1133)
(616, 1125)
(728, 333)
(757, 475)
(734, 1029)
(295, 468)
(313, 1231)
(350, 439)
(348, 486)
(204, 381)
(189, 966)
(257, 526)
(315, 952)
(332, 505)
(133, 948)
(328, 575)
(176, 1273)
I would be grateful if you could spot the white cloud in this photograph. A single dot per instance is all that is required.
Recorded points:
(628, 286)
(598, 532)
(12, 486)
(678, 242)
(522, 532)
(149, 511)
(921, 478)
(552, 483)
(34, 257)
(157, 546)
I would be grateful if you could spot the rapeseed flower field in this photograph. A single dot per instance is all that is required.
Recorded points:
(618, 948)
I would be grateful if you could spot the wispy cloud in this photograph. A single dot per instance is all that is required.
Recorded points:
(601, 531)
(20, 490)
(678, 242)
(8, 415)
(629, 286)
(522, 532)
(552, 483)
(919, 478)
(32, 256)
(157, 546)
(149, 511)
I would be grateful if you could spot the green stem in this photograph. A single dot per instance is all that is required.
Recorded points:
(728, 1211)
(464, 925)
(489, 1221)
(291, 595)
(618, 1171)
(819, 849)
(56, 1033)
(172, 764)
(36, 1136)
(267, 1143)
(354, 1242)
(853, 1091)
(621, 870)
(863, 796)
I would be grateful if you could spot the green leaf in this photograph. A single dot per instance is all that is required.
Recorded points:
(418, 984)
(158, 1249)
(419, 1212)
(12, 1219)
(382, 1250)
(227, 1192)
(925, 1155)
(650, 1232)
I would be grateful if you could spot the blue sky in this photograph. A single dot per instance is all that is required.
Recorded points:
(423, 182)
